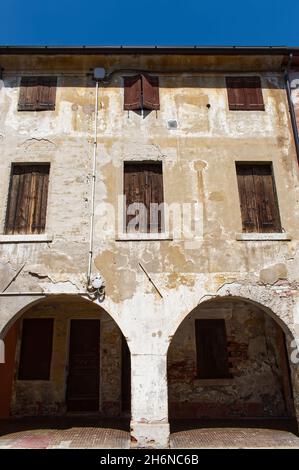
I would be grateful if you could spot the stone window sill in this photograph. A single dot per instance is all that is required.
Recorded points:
(122, 237)
(207, 382)
(250, 236)
(32, 238)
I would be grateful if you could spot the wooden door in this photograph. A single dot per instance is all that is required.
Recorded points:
(84, 366)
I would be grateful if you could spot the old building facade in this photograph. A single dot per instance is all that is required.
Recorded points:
(199, 311)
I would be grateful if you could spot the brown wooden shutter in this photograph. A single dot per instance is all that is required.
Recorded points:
(143, 183)
(236, 93)
(258, 200)
(134, 187)
(154, 195)
(132, 93)
(46, 93)
(150, 92)
(211, 347)
(245, 93)
(254, 94)
(125, 376)
(36, 349)
(27, 201)
(28, 94)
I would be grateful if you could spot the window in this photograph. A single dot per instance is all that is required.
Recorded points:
(27, 199)
(245, 94)
(143, 189)
(258, 200)
(37, 93)
(36, 349)
(141, 92)
(211, 348)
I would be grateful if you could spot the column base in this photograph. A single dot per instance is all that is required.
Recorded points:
(150, 435)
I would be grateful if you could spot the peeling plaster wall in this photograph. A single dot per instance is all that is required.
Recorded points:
(255, 388)
(42, 397)
(198, 166)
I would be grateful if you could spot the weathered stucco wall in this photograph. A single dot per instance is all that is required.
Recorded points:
(198, 166)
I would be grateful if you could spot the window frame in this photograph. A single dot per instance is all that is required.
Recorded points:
(232, 80)
(160, 233)
(258, 229)
(6, 230)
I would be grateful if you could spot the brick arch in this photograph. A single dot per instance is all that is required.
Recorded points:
(269, 301)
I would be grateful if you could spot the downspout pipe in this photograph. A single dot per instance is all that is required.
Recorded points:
(291, 105)
(93, 184)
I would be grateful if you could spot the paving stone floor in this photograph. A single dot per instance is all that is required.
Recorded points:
(234, 434)
(91, 432)
(61, 433)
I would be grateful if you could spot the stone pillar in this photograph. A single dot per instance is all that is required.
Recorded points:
(149, 422)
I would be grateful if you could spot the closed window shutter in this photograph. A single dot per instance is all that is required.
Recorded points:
(46, 93)
(245, 93)
(134, 187)
(143, 183)
(40, 182)
(36, 349)
(211, 347)
(150, 92)
(28, 94)
(258, 200)
(248, 201)
(27, 202)
(254, 94)
(132, 93)
(236, 93)
(268, 213)
(154, 196)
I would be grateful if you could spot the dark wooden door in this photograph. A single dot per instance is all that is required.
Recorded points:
(84, 366)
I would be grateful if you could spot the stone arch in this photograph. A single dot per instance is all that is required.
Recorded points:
(65, 308)
(279, 308)
(17, 308)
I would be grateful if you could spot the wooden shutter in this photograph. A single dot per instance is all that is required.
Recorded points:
(154, 195)
(254, 94)
(27, 201)
(46, 93)
(236, 93)
(248, 201)
(37, 93)
(258, 200)
(268, 212)
(211, 347)
(132, 93)
(150, 92)
(245, 93)
(28, 94)
(36, 349)
(143, 183)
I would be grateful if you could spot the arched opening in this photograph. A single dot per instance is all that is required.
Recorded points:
(228, 365)
(67, 362)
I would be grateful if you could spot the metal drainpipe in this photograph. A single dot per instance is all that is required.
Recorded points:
(291, 106)
(93, 184)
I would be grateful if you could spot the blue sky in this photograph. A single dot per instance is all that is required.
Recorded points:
(149, 22)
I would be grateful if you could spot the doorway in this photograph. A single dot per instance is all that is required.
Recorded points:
(83, 375)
